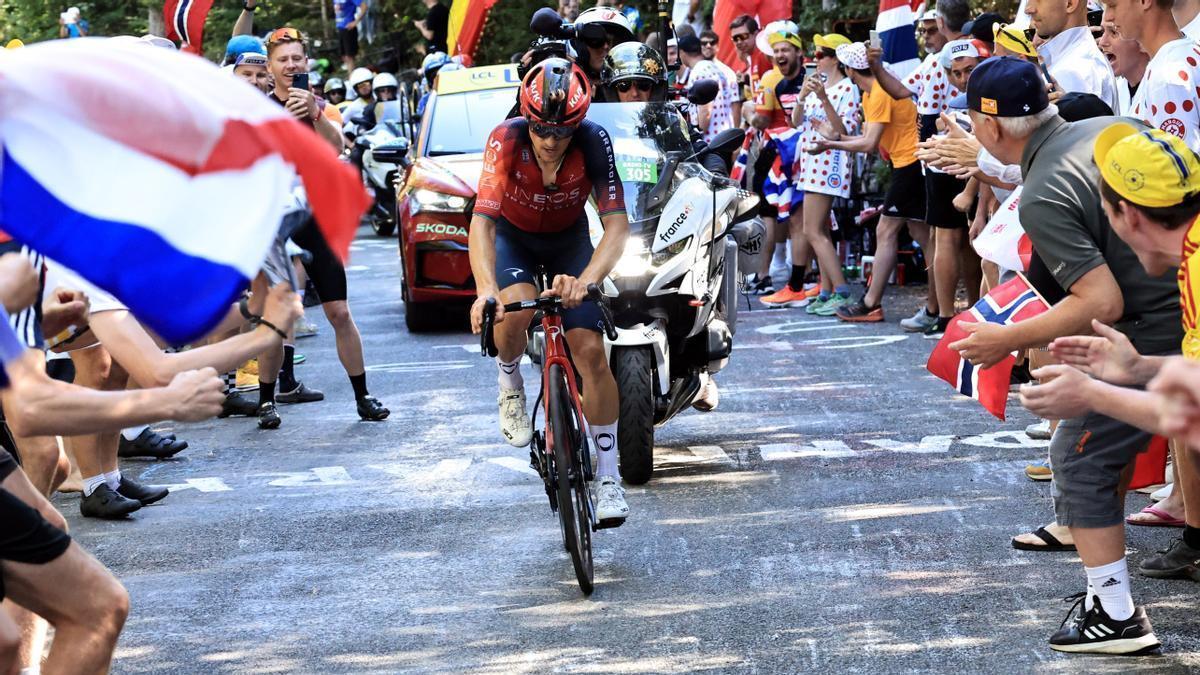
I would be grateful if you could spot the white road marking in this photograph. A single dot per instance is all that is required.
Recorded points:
(854, 342)
(711, 453)
(321, 475)
(801, 326)
(1016, 440)
(419, 366)
(514, 464)
(818, 448)
(201, 485)
(927, 445)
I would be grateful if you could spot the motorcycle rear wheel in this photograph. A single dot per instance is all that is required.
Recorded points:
(633, 369)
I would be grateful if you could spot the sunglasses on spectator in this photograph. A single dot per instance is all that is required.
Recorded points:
(708, 43)
(932, 30)
(285, 35)
(740, 37)
(550, 131)
(626, 85)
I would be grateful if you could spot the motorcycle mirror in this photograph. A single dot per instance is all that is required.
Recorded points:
(726, 142)
(392, 152)
(703, 92)
(547, 23)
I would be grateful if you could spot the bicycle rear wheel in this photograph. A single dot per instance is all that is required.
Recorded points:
(574, 506)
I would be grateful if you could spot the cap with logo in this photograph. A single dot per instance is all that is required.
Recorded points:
(853, 55)
(1014, 39)
(776, 32)
(1148, 167)
(250, 59)
(957, 49)
(1003, 86)
(830, 40)
(930, 15)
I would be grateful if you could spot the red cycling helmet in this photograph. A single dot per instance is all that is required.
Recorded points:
(556, 93)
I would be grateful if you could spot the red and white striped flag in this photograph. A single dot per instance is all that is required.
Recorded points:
(185, 22)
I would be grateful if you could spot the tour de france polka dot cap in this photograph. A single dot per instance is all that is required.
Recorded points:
(853, 55)
(1147, 167)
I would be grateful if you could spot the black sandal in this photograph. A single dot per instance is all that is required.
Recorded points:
(1051, 544)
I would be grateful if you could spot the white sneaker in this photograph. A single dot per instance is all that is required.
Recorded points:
(1039, 431)
(919, 322)
(611, 509)
(514, 423)
(709, 397)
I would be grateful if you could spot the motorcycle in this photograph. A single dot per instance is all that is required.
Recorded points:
(384, 158)
(674, 291)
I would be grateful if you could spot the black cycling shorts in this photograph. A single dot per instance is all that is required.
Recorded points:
(940, 191)
(326, 271)
(520, 253)
(905, 196)
(27, 537)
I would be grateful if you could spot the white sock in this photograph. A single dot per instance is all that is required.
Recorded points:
(510, 376)
(1110, 583)
(132, 433)
(604, 436)
(31, 670)
(90, 484)
(113, 478)
(780, 255)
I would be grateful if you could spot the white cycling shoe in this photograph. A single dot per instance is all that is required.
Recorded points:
(611, 509)
(514, 423)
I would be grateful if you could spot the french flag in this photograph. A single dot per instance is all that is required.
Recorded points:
(156, 176)
(1008, 303)
(896, 27)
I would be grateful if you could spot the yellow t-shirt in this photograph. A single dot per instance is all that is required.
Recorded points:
(1189, 291)
(899, 117)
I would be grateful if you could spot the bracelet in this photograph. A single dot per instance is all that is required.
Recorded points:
(248, 8)
(263, 322)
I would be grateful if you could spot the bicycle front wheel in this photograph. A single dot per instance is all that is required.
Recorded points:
(574, 506)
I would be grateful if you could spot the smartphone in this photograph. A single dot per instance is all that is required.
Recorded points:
(300, 81)
(810, 69)
(875, 43)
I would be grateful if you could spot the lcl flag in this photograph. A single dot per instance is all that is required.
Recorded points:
(185, 22)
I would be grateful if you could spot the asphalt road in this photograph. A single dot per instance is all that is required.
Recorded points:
(840, 512)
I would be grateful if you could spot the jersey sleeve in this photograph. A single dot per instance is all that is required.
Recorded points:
(601, 166)
(877, 109)
(496, 157)
(916, 80)
(1170, 106)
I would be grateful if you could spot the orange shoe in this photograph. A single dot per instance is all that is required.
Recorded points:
(785, 298)
(812, 290)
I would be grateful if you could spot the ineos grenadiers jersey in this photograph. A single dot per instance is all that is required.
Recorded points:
(511, 187)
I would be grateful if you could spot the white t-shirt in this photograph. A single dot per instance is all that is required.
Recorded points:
(1078, 65)
(1192, 30)
(931, 87)
(721, 111)
(829, 172)
(1166, 98)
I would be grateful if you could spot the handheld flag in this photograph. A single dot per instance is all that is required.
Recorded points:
(156, 176)
(899, 41)
(1004, 241)
(1006, 304)
(185, 22)
(779, 186)
(467, 19)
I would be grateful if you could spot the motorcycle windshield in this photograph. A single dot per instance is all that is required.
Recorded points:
(642, 134)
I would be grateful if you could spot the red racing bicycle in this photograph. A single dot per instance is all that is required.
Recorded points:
(559, 451)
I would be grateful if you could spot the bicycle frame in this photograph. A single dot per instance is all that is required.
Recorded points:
(558, 353)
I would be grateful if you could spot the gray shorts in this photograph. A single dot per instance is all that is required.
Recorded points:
(1088, 455)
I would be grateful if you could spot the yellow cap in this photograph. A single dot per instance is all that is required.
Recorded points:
(830, 40)
(14, 43)
(785, 36)
(1147, 167)
(1013, 39)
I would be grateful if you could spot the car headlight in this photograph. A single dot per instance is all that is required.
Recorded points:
(672, 250)
(428, 200)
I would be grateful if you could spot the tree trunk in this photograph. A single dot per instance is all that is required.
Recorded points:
(155, 23)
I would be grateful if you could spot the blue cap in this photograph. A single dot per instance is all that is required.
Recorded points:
(240, 44)
(1003, 86)
(958, 102)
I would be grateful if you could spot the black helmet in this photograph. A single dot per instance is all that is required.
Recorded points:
(630, 60)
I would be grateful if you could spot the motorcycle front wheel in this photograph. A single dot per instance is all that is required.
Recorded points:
(633, 369)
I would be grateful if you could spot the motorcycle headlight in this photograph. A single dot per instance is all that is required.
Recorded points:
(428, 200)
(634, 262)
(672, 251)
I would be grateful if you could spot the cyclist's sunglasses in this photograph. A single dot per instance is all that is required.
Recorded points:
(550, 131)
(285, 35)
(642, 85)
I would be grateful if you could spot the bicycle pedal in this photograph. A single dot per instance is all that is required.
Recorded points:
(609, 524)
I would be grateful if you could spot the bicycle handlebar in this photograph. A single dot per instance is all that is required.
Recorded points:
(487, 343)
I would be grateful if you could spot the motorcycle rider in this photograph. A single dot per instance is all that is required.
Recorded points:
(430, 67)
(361, 84)
(593, 50)
(335, 93)
(538, 172)
(386, 88)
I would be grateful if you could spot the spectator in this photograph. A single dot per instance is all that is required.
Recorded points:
(252, 68)
(710, 118)
(708, 44)
(347, 15)
(1166, 98)
(1069, 51)
(891, 129)
(750, 63)
(983, 28)
(1127, 59)
(434, 27)
(1187, 16)
(1015, 121)
(287, 53)
(71, 24)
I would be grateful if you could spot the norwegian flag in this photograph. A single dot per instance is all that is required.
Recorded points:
(740, 163)
(185, 22)
(1006, 304)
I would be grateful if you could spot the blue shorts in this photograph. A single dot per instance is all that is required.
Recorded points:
(520, 253)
